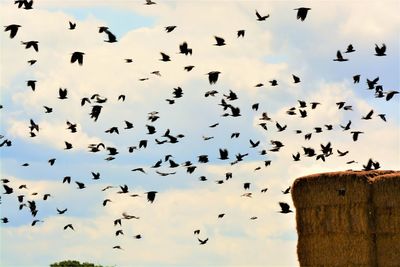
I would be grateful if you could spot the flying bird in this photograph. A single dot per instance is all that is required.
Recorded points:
(213, 76)
(72, 25)
(220, 41)
(302, 12)
(380, 51)
(164, 57)
(202, 242)
(77, 56)
(339, 57)
(151, 195)
(261, 18)
(169, 28)
(240, 33)
(13, 29)
(350, 49)
(33, 44)
(285, 208)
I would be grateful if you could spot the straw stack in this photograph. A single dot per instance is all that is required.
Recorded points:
(335, 218)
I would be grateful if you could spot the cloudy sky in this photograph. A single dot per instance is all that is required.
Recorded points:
(274, 49)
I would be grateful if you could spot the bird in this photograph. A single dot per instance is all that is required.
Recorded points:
(137, 236)
(390, 94)
(341, 154)
(261, 18)
(302, 12)
(35, 222)
(105, 201)
(165, 57)
(119, 247)
(33, 44)
(62, 93)
(13, 28)
(202, 242)
(356, 78)
(184, 49)
(273, 82)
(380, 51)
(223, 154)
(32, 84)
(52, 161)
(67, 145)
(220, 41)
(80, 185)
(368, 116)
(111, 37)
(67, 179)
(32, 61)
(69, 226)
(9, 190)
(188, 68)
(285, 208)
(240, 33)
(355, 135)
(296, 157)
(254, 144)
(213, 76)
(350, 49)
(72, 25)
(48, 109)
(295, 79)
(246, 186)
(61, 211)
(221, 215)
(151, 195)
(149, 2)
(77, 56)
(382, 116)
(339, 57)
(286, 191)
(169, 29)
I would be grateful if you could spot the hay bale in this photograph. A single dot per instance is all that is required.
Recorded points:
(386, 200)
(334, 215)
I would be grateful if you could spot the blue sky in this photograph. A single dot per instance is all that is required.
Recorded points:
(272, 49)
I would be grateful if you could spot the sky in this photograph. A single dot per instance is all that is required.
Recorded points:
(274, 49)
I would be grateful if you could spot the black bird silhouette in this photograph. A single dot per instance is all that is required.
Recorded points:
(69, 226)
(368, 116)
(9, 190)
(254, 144)
(295, 79)
(33, 44)
(188, 68)
(296, 157)
(111, 37)
(347, 127)
(139, 169)
(62, 93)
(202, 242)
(96, 109)
(96, 175)
(4, 220)
(32, 61)
(280, 128)
(32, 84)
(184, 49)
(287, 190)
(220, 41)
(213, 76)
(35, 222)
(48, 109)
(169, 28)
(143, 143)
(52, 161)
(356, 78)
(240, 33)
(80, 185)
(105, 201)
(285, 208)
(382, 116)
(151, 195)
(350, 49)
(13, 28)
(274, 82)
(67, 145)
(380, 51)
(61, 211)
(223, 154)
(302, 12)
(390, 94)
(341, 154)
(261, 18)
(355, 135)
(165, 57)
(67, 179)
(339, 57)
(246, 186)
(72, 25)
(124, 189)
(112, 130)
(149, 2)
(77, 56)
(28, 4)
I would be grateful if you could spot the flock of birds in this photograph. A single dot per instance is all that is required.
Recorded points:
(303, 109)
